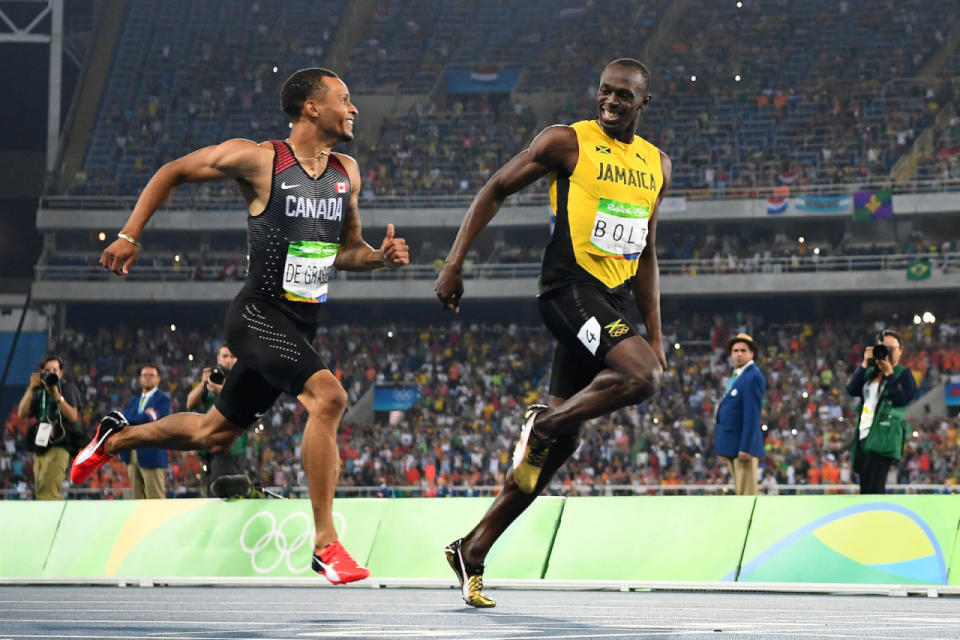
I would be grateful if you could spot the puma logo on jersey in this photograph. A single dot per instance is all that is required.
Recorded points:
(327, 208)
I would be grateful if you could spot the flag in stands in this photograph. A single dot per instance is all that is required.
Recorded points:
(873, 205)
(919, 269)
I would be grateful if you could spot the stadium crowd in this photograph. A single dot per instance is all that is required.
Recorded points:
(745, 98)
(474, 382)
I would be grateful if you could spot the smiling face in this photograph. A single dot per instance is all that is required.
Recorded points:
(332, 109)
(621, 96)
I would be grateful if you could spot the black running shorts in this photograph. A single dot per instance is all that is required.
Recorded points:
(587, 323)
(274, 353)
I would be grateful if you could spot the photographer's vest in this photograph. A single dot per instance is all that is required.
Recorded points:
(48, 410)
(888, 432)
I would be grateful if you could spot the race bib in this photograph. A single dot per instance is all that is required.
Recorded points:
(307, 270)
(619, 229)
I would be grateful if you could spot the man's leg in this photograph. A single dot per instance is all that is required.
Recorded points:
(178, 431)
(154, 483)
(325, 401)
(511, 501)
(732, 467)
(632, 376)
(45, 485)
(136, 478)
(745, 476)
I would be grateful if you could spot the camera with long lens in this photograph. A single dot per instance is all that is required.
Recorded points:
(49, 378)
(880, 352)
(218, 375)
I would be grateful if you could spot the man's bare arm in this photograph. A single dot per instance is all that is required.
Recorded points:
(554, 149)
(355, 254)
(233, 159)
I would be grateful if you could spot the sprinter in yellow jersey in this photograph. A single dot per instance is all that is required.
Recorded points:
(598, 269)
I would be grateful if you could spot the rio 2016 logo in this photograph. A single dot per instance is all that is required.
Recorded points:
(279, 543)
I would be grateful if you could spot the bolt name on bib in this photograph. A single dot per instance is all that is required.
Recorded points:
(307, 270)
(619, 229)
(327, 208)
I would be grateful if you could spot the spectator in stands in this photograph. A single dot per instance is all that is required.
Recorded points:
(147, 466)
(55, 404)
(738, 437)
(880, 431)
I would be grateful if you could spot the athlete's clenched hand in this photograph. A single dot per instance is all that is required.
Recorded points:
(119, 256)
(395, 251)
(449, 287)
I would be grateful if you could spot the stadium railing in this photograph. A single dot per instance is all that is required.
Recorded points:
(788, 264)
(186, 199)
(417, 491)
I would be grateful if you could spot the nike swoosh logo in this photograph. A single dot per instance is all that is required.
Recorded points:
(328, 571)
(284, 185)
(84, 455)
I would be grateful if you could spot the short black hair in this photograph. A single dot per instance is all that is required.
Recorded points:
(636, 65)
(150, 365)
(300, 86)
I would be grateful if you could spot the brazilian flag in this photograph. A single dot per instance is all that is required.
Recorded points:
(919, 269)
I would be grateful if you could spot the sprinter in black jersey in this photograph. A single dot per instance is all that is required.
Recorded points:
(303, 220)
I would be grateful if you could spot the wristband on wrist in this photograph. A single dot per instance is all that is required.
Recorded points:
(129, 239)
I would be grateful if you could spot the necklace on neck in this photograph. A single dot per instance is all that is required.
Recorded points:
(316, 157)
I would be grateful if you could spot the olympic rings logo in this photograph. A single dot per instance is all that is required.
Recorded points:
(285, 539)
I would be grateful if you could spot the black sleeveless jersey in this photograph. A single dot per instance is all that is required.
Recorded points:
(293, 243)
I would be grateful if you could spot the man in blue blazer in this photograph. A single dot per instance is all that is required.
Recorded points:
(147, 467)
(738, 437)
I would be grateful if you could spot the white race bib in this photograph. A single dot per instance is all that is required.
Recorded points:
(619, 229)
(307, 270)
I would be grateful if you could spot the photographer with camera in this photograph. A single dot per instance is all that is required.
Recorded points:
(56, 406)
(886, 388)
(227, 471)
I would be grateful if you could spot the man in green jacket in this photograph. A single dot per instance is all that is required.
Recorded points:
(886, 388)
